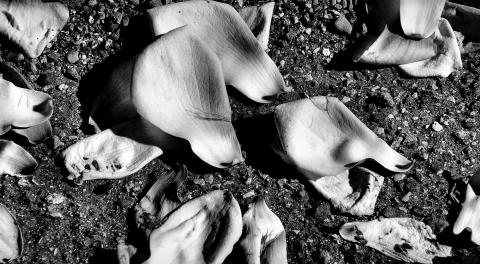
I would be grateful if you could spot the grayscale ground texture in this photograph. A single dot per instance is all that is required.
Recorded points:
(313, 58)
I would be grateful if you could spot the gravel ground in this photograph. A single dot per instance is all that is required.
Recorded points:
(432, 120)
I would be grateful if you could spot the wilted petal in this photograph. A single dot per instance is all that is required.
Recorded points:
(245, 65)
(161, 199)
(403, 239)
(393, 49)
(353, 191)
(259, 19)
(321, 137)
(113, 153)
(446, 60)
(32, 24)
(419, 18)
(37, 133)
(464, 19)
(202, 230)
(14, 160)
(178, 86)
(263, 240)
(11, 241)
(22, 107)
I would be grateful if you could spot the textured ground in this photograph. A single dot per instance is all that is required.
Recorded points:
(304, 44)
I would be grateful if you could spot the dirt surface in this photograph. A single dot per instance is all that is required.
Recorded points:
(312, 57)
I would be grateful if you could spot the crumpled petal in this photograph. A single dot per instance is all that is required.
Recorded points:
(113, 153)
(321, 137)
(245, 65)
(202, 230)
(14, 160)
(446, 60)
(391, 48)
(263, 239)
(403, 239)
(354, 191)
(464, 19)
(177, 85)
(469, 217)
(259, 19)
(22, 107)
(419, 19)
(32, 24)
(11, 240)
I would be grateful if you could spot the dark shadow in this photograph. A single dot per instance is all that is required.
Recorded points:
(102, 256)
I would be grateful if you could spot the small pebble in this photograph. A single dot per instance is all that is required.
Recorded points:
(200, 182)
(249, 194)
(343, 25)
(326, 52)
(437, 127)
(72, 56)
(407, 197)
(55, 198)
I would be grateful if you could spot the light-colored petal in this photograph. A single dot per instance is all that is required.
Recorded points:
(178, 86)
(125, 252)
(263, 239)
(469, 217)
(245, 65)
(32, 24)
(419, 18)
(259, 19)
(160, 199)
(393, 49)
(446, 60)
(321, 137)
(37, 133)
(14, 160)
(403, 239)
(11, 241)
(202, 230)
(354, 191)
(22, 107)
(113, 153)
(464, 19)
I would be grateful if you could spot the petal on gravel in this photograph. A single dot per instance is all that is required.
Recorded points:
(470, 214)
(11, 240)
(419, 19)
(178, 86)
(14, 160)
(246, 66)
(32, 24)
(403, 239)
(321, 137)
(203, 230)
(259, 20)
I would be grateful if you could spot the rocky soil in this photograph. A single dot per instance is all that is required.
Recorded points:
(433, 121)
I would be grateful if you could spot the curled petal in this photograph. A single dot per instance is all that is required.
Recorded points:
(37, 133)
(464, 19)
(113, 153)
(403, 239)
(259, 19)
(14, 160)
(245, 65)
(392, 49)
(321, 137)
(445, 61)
(22, 107)
(202, 230)
(354, 192)
(470, 214)
(178, 86)
(419, 18)
(32, 24)
(11, 240)
(264, 239)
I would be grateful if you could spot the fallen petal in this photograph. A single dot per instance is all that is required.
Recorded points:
(245, 65)
(470, 214)
(202, 230)
(32, 24)
(321, 137)
(392, 49)
(161, 199)
(263, 240)
(178, 86)
(259, 19)
(22, 107)
(14, 160)
(11, 240)
(403, 239)
(113, 153)
(464, 19)
(419, 19)
(354, 192)
(446, 60)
